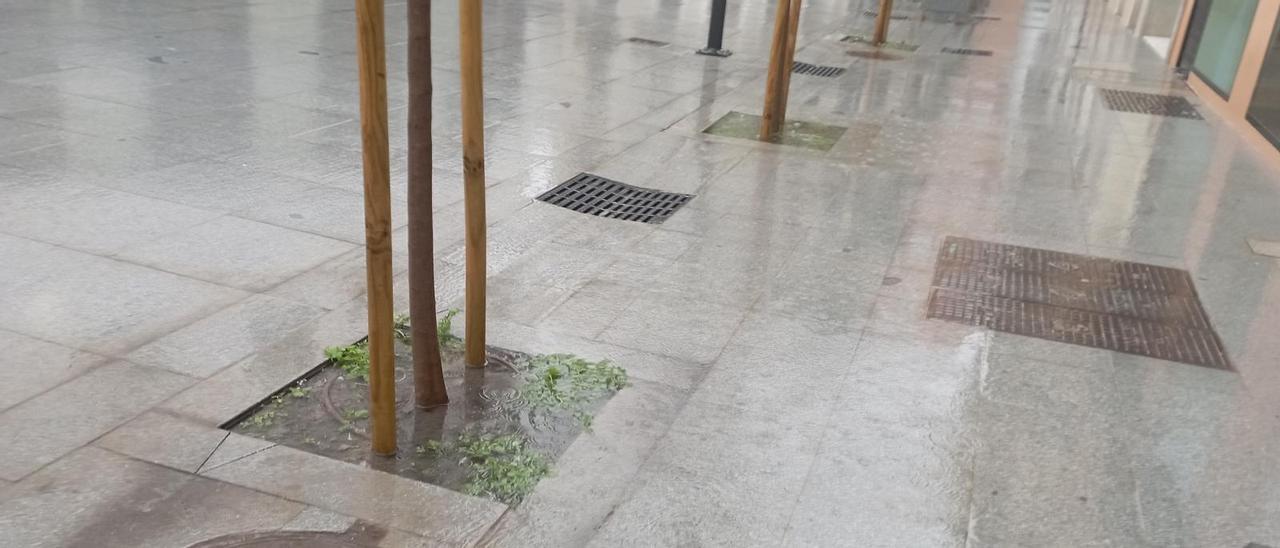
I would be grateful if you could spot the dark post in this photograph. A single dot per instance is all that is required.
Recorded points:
(715, 36)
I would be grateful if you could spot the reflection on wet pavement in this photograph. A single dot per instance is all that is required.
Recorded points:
(180, 222)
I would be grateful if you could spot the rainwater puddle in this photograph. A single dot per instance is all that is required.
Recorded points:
(504, 426)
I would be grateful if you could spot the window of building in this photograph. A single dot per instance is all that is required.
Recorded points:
(1226, 28)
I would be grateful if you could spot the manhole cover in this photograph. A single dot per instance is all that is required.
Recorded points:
(1114, 305)
(596, 195)
(1148, 103)
(647, 42)
(816, 70)
(967, 51)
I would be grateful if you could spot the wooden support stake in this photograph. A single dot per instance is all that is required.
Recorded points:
(473, 176)
(371, 55)
(428, 371)
(882, 22)
(793, 30)
(771, 116)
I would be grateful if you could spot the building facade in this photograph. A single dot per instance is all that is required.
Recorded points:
(1230, 51)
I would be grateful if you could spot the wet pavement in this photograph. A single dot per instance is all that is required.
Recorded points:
(180, 231)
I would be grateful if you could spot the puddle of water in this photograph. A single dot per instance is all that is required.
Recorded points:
(488, 414)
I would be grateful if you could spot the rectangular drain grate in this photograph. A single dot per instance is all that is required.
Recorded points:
(596, 195)
(647, 42)
(967, 51)
(1121, 306)
(986, 17)
(816, 70)
(1149, 103)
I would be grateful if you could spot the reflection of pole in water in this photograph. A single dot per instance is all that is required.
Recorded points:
(473, 379)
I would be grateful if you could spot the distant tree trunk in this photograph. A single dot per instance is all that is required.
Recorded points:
(428, 375)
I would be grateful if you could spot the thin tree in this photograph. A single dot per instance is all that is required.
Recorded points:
(428, 374)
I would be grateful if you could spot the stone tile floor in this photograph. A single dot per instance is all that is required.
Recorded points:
(180, 222)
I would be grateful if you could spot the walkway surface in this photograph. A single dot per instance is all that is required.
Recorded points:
(180, 232)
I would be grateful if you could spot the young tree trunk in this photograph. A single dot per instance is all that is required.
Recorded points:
(428, 375)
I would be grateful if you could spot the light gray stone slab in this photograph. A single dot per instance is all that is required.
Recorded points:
(666, 324)
(205, 347)
(94, 497)
(229, 392)
(162, 439)
(236, 252)
(364, 493)
(57, 422)
(116, 306)
(1265, 247)
(31, 366)
(91, 218)
(234, 447)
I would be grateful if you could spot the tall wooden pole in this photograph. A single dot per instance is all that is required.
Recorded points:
(428, 373)
(371, 55)
(793, 30)
(882, 22)
(473, 176)
(771, 116)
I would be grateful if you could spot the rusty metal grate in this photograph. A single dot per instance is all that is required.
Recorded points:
(816, 70)
(596, 195)
(967, 51)
(1114, 305)
(647, 42)
(1148, 103)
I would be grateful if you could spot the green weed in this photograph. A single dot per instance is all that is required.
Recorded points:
(299, 392)
(502, 467)
(401, 327)
(444, 330)
(353, 359)
(566, 382)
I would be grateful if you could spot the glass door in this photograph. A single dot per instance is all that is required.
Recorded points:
(1218, 51)
(1264, 109)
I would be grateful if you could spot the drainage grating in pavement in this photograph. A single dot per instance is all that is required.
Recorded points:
(816, 70)
(647, 42)
(1091, 301)
(985, 17)
(1148, 103)
(967, 51)
(596, 195)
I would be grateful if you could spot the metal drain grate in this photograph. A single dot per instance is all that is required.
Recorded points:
(595, 195)
(647, 42)
(816, 70)
(967, 51)
(894, 17)
(985, 17)
(1114, 305)
(1149, 103)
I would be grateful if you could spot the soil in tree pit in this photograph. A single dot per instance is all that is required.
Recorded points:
(503, 427)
